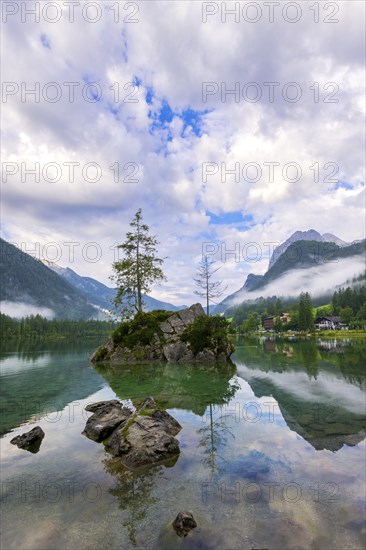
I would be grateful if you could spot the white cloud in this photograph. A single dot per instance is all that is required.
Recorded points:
(173, 53)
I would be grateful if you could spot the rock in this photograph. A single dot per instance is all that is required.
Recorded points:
(108, 346)
(166, 328)
(184, 523)
(177, 324)
(205, 356)
(189, 315)
(117, 444)
(171, 426)
(30, 441)
(146, 442)
(148, 403)
(108, 415)
(176, 351)
(140, 438)
(103, 405)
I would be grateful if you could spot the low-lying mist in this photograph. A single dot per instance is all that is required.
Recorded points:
(318, 280)
(21, 309)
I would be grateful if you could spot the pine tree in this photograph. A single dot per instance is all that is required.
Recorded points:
(139, 269)
(306, 319)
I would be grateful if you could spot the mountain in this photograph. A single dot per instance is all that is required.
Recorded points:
(252, 282)
(30, 287)
(307, 254)
(310, 235)
(101, 295)
(303, 265)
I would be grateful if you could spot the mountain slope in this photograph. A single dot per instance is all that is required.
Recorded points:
(304, 263)
(27, 284)
(101, 295)
(305, 254)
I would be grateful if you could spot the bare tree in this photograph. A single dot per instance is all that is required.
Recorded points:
(205, 287)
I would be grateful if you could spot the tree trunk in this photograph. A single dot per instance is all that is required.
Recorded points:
(207, 298)
(139, 300)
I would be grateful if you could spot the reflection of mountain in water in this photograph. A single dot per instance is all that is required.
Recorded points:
(41, 383)
(319, 389)
(173, 386)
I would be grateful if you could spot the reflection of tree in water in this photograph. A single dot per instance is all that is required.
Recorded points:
(310, 355)
(216, 434)
(173, 386)
(214, 437)
(352, 362)
(134, 490)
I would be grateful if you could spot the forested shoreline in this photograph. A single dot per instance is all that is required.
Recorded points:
(35, 327)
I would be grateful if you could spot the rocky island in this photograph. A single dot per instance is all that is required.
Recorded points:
(186, 336)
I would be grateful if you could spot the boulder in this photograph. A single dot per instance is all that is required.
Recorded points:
(190, 314)
(166, 328)
(144, 442)
(30, 441)
(148, 403)
(103, 405)
(108, 415)
(177, 324)
(171, 426)
(177, 351)
(184, 523)
(140, 438)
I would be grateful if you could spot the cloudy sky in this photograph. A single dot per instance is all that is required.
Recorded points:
(227, 129)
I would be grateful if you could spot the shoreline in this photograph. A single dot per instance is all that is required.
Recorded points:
(326, 334)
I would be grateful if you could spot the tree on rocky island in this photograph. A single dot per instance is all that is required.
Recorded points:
(205, 287)
(139, 269)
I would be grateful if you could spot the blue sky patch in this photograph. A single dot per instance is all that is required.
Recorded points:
(160, 122)
(343, 185)
(230, 218)
(193, 119)
(149, 95)
(166, 113)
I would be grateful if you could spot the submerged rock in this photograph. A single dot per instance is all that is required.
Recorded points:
(140, 438)
(30, 441)
(184, 523)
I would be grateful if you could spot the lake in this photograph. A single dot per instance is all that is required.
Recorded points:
(272, 451)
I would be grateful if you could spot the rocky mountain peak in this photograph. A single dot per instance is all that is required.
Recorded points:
(309, 235)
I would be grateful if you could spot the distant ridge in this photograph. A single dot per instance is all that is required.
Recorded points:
(100, 294)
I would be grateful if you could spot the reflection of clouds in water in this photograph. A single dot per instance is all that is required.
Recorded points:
(325, 389)
(15, 364)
